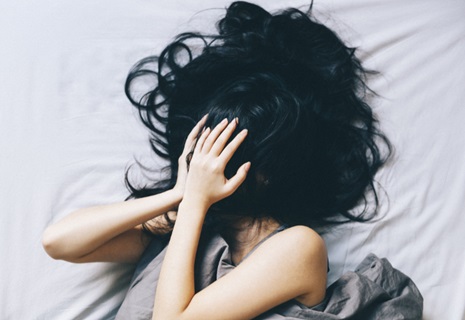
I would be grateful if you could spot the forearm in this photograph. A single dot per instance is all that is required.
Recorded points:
(176, 286)
(86, 229)
(205, 185)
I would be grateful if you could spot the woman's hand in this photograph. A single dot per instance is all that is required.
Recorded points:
(182, 161)
(205, 185)
(206, 182)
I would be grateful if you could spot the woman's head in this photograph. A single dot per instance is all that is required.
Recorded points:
(297, 89)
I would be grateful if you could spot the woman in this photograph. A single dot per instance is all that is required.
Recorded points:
(284, 145)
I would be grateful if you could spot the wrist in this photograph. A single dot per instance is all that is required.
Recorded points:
(195, 202)
(177, 193)
(175, 197)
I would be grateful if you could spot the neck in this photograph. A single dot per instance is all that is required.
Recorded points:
(244, 233)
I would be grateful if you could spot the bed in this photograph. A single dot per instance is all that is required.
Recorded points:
(68, 133)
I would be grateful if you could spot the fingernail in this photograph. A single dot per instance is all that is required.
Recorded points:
(247, 166)
(237, 120)
(244, 132)
(224, 121)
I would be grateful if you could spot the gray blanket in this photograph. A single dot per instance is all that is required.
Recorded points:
(375, 290)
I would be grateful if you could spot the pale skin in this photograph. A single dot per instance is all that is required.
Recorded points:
(292, 264)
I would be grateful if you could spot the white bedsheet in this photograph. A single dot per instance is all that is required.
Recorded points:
(67, 133)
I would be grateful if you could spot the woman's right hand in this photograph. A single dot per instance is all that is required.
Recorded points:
(207, 183)
(186, 153)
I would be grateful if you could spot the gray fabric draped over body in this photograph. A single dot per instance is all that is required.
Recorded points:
(375, 290)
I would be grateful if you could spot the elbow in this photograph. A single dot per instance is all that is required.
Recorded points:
(51, 244)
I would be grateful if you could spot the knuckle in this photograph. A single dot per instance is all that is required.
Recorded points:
(222, 140)
(216, 167)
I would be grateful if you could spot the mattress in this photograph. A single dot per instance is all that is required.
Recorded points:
(68, 133)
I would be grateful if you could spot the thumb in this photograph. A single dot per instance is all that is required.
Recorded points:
(235, 181)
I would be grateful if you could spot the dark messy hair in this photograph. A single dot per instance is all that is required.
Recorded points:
(297, 88)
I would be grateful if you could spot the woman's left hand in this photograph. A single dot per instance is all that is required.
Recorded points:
(206, 182)
(183, 158)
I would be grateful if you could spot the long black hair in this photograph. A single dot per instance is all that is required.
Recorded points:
(297, 88)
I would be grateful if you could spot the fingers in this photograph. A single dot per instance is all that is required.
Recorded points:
(234, 183)
(201, 140)
(228, 152)
(214, 141)
(194, 133)
(216, 132)
(223, 138)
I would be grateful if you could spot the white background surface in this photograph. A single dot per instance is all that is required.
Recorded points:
(67, 133)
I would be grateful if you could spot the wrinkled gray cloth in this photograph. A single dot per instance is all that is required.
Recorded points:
(375, 290)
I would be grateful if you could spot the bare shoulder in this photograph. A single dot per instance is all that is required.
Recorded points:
(301, 253)
(302, 243)
(303, 234)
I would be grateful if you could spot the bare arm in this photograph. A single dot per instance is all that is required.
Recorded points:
(113, 232)
(76, 237)
(290, 265)
(205, 185)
